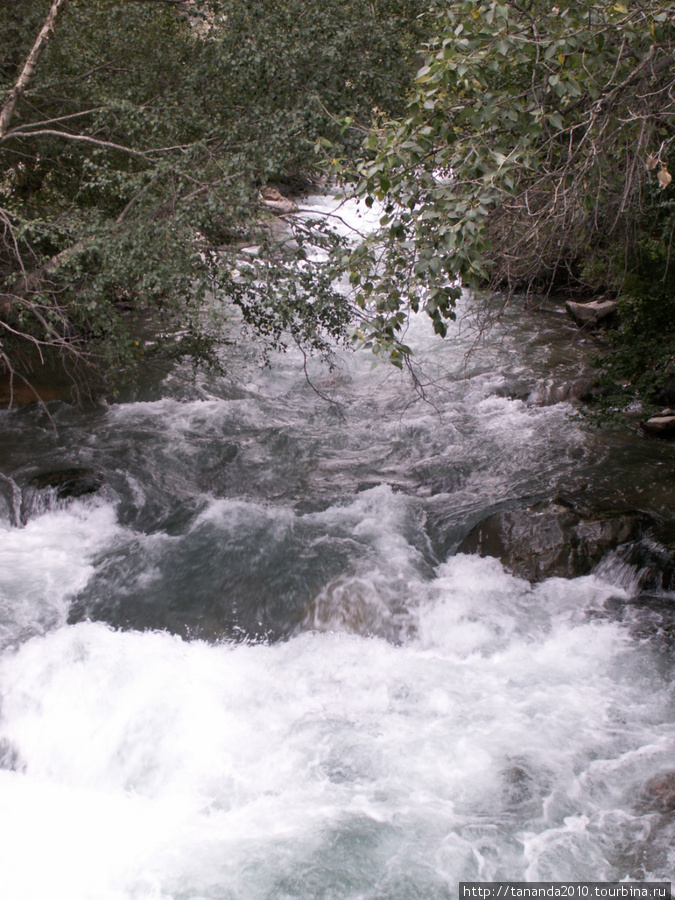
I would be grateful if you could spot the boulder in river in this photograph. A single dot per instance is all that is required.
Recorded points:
(550, 538)
(591, 313)
(51, 489)
(580, 390)
(69, 483)
(274, 199)
(662, 426)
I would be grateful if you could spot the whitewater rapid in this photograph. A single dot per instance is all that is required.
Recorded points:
(254, 667)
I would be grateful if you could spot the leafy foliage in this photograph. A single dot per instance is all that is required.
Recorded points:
(130, 174)
(534, 154)
(641, 358)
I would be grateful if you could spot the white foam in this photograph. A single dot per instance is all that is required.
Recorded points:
(330, 764)
(348, 217)
(45, 563)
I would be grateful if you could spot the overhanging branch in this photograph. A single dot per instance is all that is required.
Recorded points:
(68, 136)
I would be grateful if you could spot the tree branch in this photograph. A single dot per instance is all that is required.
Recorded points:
(26, 128)
(66, 135)
(28, 71)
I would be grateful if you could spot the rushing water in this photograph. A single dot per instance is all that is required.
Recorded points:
(253, 666)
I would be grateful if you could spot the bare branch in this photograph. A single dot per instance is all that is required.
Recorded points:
(26, 129)
(83, 138)
(28, 71)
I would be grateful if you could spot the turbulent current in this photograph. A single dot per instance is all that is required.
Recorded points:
(252, 664)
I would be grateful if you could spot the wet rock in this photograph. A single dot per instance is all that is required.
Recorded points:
(550, 394)
(662, 426)
(580, 390)
(648, 566)
(591, 390)
(355, 606)
(660, 792)
(9, 756)
(50, 490)
(517, 786)
(550, 538)
(587, 389)
(5, 508)
(10, 500)
(69, 483)
(645, 569)
(274, 199)
(648, 617)
(514, 393)
(591, 313)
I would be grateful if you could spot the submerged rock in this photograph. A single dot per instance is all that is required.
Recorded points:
(10, 500)
(660, 792)
(648, 617)
(550, 538)
(645, 565)
(517, 786)
(355, 606)
(9, 756)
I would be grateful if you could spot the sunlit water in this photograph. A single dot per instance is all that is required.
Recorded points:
(254, 666)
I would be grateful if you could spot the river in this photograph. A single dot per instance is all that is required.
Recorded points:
(253, 665)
